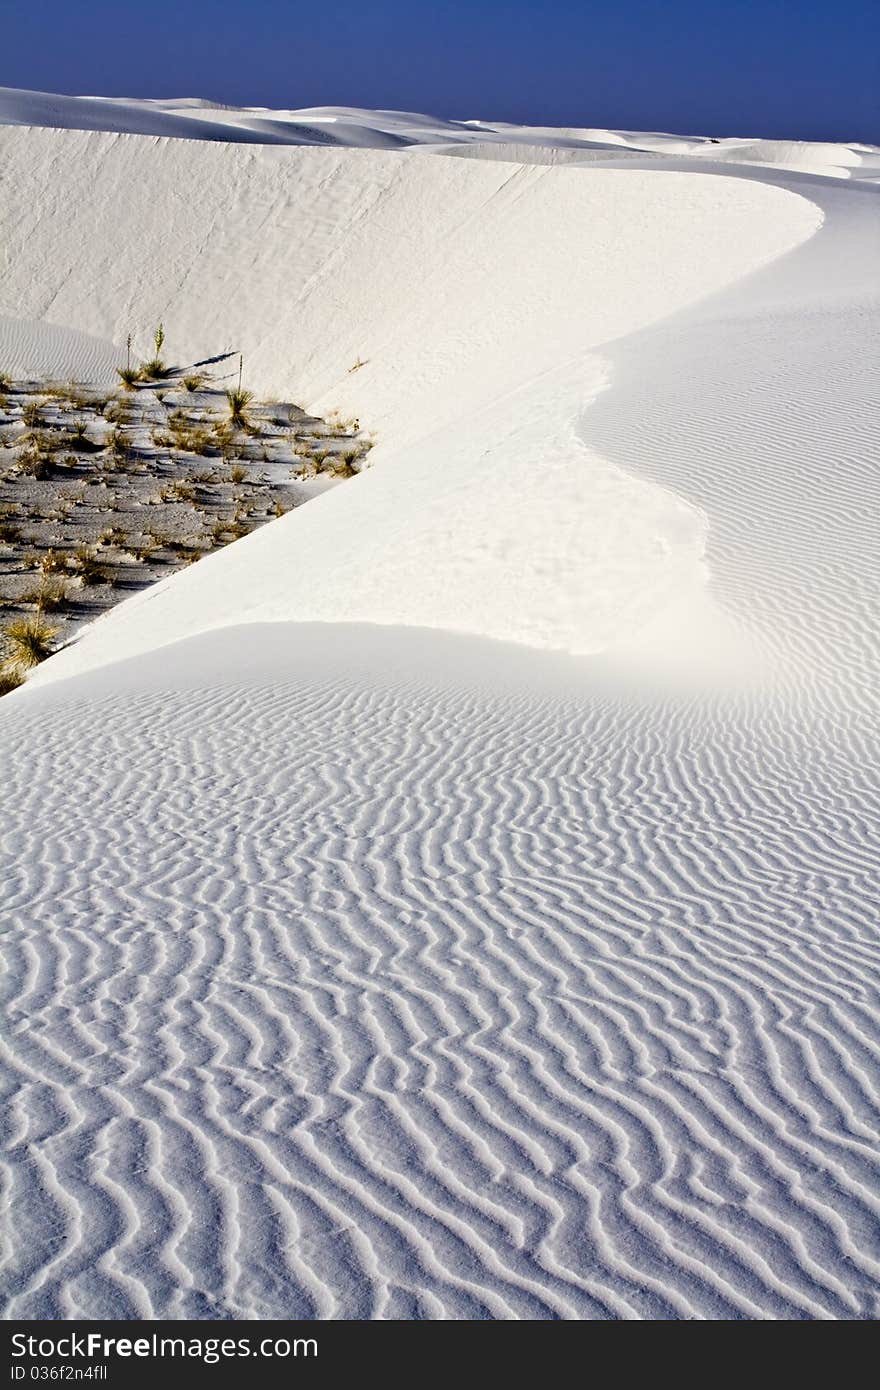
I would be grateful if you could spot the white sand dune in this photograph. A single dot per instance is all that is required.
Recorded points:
(458, 899)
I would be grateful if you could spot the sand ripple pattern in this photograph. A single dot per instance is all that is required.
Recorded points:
(346, 999)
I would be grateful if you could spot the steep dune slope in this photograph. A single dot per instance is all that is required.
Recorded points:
(360, 968)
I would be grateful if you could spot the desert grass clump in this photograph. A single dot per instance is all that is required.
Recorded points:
(118, 412)
(128, 376)
(116, 536)
(33, 463)
(42, 441)
(10, 679)
(194, 440)
(31, 413)
(53, 562)
(60, 390)
(79, 438)
(28, 641)
(88, 566)
(194, 382)
(118, 443)
(237, 474)
(154, 370)
(178, 491)
(347, 459)
(238, 401)
(50, 597)
(222, 531)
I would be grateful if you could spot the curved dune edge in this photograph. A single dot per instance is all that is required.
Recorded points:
(476, 293)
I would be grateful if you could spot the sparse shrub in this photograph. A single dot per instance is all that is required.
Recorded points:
(9, 531)
(32, 413)
(237, 474)
(28, 641)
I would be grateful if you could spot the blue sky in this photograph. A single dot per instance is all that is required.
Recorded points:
(784, 68)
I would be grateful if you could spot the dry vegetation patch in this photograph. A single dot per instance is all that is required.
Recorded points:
(103, 493)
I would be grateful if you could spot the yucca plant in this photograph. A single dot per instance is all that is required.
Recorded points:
(238, 401)
(155, 368)
(28, 642)
(129, 377)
